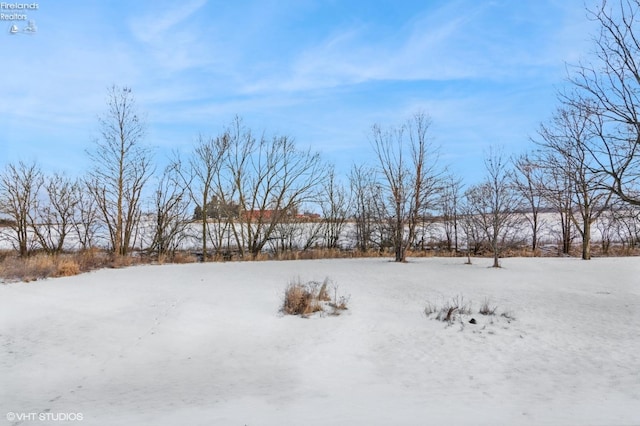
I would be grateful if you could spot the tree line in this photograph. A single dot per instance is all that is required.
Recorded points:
(245, 193)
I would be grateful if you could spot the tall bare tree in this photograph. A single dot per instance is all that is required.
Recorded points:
(171, 216)
(527, 179)
(565, 142)
(407, 162)
(121, 168)
(450, 210)
(336, 204)
(626, 222)
(609, 86)
(493, 205)
(200, 177)
(19, 187)
(85, 219)
(558, 193)
(271, 179)
(365, 194)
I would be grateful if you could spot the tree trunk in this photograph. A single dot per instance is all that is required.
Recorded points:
(496, 250)
(534, 243)
(400, 249)
(204, 226)
(586, 241)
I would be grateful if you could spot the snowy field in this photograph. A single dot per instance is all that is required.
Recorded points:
(205, 344)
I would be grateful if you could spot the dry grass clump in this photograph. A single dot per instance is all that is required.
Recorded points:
(118, 261)
(182, 257)
(457, 308)
(179, 257)
(312, 254)
(305, 299)
(43, 265)
(453, 308)
(299, 299)
(92, 259)
(38, 267)
(487, 309)
(67, 267)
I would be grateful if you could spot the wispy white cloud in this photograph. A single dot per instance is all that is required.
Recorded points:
(421, 49)
(154, 25)
(171, 37)
(459, 40)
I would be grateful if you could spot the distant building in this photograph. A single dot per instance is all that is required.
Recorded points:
(216, 209)
(285, 215)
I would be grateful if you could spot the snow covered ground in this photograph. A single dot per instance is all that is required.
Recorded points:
(204, 344)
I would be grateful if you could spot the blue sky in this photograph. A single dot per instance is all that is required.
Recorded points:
(322, 72)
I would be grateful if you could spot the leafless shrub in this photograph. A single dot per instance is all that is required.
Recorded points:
(452, 309)
(487, 308)
(447, 313)
(456, 307)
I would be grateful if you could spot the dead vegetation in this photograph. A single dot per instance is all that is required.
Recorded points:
(305, 299)
(456, 309)
(487, 309)
(39, 265)
(42, 265)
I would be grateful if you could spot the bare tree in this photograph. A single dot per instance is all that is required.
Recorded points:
(449, 206)
(52, 219)
(85, 218)
(19, 187)
(336, 204)
(364, 192)
(290, 234)
(407, 163)
(493, 205)
(565, 143)
(271, 178)
(121, 168)
(558, 192)
(475, 238)
(607, 226)
(314, 232)
(609, 86)
(527, 178)
(200, 178)
(171, 216)
(626, 221)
